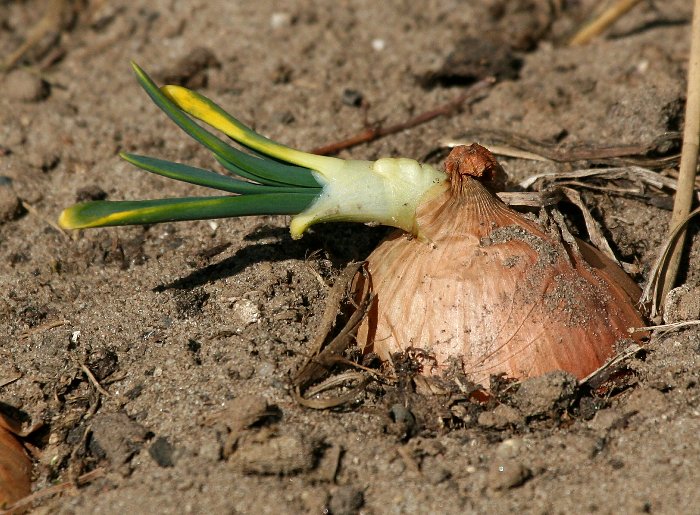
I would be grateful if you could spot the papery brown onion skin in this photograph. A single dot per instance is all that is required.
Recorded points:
(489, 289)
(15, 466)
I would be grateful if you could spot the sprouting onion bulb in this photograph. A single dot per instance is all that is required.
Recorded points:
(466, 278)
(279, 179)
(493, 292)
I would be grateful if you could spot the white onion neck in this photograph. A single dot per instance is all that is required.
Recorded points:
(383, 192)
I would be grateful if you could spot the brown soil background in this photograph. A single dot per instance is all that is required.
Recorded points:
(179, 321)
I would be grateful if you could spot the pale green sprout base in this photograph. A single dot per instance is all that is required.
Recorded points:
(386, 192)
(311, 187)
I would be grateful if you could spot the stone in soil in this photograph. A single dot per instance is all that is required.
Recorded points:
(268, 454)
(25, 86)
(10, 204)
(548, 394)
(116, 437)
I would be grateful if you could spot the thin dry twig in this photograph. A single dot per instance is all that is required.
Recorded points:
(308, 372)
(323, 358)
(9, 380)
(665, 328)
(374, 133)
(595, 232)
(21, 505)
(689, 156)
(35, 212)
(534, 199)
(91, 377)
(653, 292)
(339, 400)
(602, 22)
(319, 364)
(43, 327)
(334, 382)
(631, 173)
(598, 377)
(512, 144)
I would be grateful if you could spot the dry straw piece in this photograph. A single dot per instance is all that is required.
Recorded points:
(689, 158)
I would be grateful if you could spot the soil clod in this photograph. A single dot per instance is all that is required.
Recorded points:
(549, 394)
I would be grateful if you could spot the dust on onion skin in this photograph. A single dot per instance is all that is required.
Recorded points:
(493, 290)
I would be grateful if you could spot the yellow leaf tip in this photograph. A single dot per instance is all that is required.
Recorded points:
(66, 220)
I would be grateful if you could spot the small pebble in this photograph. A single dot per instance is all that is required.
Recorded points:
(550, 393)
(352, 97)
(505, 474)
(280, 19)
(682, 304)
(116, 437)
(509, 448)
(346, 500)
(162, 452)
(90, 192)
(245, 312)
(501, 417)
(25, 87)
(10, 204)
(378, 45)
(265, 369)
(285, 117)
(275, 455)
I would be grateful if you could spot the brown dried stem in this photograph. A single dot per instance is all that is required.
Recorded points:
(689, 156)
(374, 133)
(511, 144)
(602, 22)
(23, 504)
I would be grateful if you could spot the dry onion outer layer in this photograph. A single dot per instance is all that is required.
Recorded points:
(493, 291)
(15, 466)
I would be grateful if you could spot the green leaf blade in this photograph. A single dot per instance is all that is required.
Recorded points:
(107, 213)
(209, 112)
(206, 178)
(294, 176)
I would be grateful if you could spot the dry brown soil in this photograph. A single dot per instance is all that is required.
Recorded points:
(193, 328)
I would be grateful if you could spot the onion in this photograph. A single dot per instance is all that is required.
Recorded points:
(491, 290)
(15, 466)
(466, 278)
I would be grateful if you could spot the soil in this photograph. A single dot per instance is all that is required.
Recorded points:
(193, 329)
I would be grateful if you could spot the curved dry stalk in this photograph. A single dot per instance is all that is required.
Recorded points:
(333, 382)
(689, 157)
(653, 291)
(598, 377)
(320, 359)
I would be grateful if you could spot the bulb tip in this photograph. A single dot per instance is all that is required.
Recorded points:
(476, 162)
